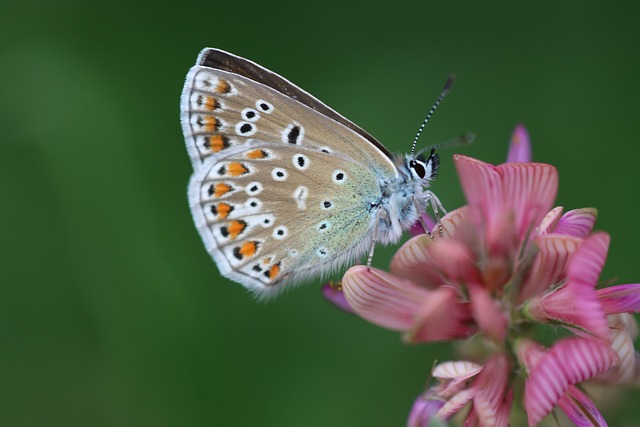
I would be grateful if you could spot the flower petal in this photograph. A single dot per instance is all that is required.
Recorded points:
(529, 191)
(333, 293)
(456, 403)
(549, 266)
(577, 223)
(451, 374)
(580, 409)
(550, 220)
(586, 265)
(424, 410)
(413, 262)
(491, 385)
(575, 305)
(417, 229)
(520, 146)
(570, 361)
(487, 314)
(383, 298)
(622, 343)
(441, 317)
(620, 298)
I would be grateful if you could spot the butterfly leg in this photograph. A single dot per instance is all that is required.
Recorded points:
(374, 241)
(436, 206)
(423, 223)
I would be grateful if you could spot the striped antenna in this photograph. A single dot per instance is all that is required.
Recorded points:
(444, 92)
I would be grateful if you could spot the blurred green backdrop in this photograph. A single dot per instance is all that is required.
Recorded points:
(112, 313)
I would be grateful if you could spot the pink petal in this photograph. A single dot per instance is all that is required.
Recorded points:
(620, 298)
(452, 374)
(334, 295)
(552, 375)
(529, 191)
(622, 343)
(456, 370)
(482, 186)
(580, 409)
(417, 229)
(491, 385)
(571, 306)
(412, 261)
(487, 313)
(529, 353)
(441, 317)
(424, 410)
(577, 223)
(454, 260)
(453, 221)
(456, 403)
(549, 267)
(586, 265)
(520, 146)
(575, 305)
(383, 298)
(550, 220)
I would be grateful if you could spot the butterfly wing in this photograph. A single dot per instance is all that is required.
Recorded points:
(275, 154)
(279, 214)
(221, 108)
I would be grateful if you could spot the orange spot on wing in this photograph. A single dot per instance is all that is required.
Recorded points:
(210, 123)
(236, 228)
(223, 86)
(257, 154)
(211, 103)
(273, 271)
(236, 169)
(218, 143)
(220, 189)
(223, 210)
(249, 249)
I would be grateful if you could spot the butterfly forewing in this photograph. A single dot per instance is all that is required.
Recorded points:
(221, 110)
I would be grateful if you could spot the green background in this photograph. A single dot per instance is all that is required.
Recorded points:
(112, 313)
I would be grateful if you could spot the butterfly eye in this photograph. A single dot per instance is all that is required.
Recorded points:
(418, 168)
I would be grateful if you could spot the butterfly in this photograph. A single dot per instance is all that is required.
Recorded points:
(284, 188)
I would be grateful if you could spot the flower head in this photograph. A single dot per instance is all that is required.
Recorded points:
(507, 265)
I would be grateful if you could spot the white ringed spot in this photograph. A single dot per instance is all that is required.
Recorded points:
(280, 232)
(339, 176)
(279, 174)
(252, 204)
(326, 205)
(293, 134)
(253, 188)
(246, 129)
(300, 161)
(294, 253)
(264, 106)
(250, 115)
(322, 252)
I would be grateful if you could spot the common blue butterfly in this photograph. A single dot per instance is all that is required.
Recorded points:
(284, 188)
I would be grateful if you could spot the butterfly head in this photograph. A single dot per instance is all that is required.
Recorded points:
(424, 168)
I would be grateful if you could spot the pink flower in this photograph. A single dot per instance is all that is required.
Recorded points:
(553, 375)
(508, 261)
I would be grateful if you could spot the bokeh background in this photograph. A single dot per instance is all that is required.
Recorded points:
(112, 313)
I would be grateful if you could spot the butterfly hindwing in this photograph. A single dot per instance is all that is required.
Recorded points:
(279, 213)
